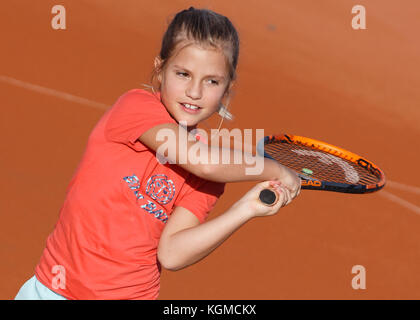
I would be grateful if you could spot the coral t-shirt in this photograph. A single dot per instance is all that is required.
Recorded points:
(104, 244)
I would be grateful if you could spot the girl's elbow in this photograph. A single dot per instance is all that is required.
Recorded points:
(201, 170)
(168, 262)
(207, 171)
(168, 265)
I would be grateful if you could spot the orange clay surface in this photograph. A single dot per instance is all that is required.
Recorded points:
(303, 70)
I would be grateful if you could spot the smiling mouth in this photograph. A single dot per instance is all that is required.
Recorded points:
(190, 108)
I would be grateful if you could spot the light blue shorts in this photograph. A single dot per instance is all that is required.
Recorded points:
(35, 290)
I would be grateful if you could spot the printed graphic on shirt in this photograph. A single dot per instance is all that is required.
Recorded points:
(159, 188)
(150, 207)
(134, 184)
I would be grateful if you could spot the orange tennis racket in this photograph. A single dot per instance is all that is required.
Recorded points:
(321, 166)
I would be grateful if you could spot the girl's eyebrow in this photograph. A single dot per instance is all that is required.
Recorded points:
(209, 75)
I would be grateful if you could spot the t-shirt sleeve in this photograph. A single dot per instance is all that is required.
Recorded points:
(134, 113)
(200, 196)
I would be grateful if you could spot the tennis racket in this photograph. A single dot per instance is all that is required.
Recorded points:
(320, 166)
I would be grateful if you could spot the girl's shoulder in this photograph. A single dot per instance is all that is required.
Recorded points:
(133, 98)
(139, 93)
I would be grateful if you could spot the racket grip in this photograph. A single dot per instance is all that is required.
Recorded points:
(268, 197)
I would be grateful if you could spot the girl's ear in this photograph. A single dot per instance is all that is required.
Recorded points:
(158, 68)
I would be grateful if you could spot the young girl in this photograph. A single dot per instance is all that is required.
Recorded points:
(126, 213)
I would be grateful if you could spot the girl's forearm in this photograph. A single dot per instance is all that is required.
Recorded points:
(212, 163)
(248, 168)
(191, 245)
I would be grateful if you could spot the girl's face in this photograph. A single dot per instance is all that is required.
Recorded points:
(193, 83)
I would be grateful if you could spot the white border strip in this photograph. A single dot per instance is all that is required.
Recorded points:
(54, 93)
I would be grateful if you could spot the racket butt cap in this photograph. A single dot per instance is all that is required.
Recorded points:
(268, 197)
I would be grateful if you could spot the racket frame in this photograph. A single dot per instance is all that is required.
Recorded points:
(310, 183)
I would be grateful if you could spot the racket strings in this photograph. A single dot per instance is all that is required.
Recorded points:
(324, 166)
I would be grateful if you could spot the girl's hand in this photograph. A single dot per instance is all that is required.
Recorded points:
(291, 181)
(252, 205)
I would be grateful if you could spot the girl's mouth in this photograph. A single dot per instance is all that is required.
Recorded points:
(190, 108)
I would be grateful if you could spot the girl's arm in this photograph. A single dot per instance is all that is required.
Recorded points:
(185, 241)
(217, 170)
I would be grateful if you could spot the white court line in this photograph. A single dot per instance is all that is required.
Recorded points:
(400, 201)
(52, 92)
(403, 187)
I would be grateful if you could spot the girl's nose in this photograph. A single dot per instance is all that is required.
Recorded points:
(193, 91)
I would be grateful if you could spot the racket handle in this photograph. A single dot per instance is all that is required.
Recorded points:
(268, 197)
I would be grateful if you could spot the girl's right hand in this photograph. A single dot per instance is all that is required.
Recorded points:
(251, 204)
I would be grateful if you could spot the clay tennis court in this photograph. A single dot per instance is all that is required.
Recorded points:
(302, 70)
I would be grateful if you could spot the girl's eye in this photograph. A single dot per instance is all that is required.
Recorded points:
(182, 74)
(186, 75)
